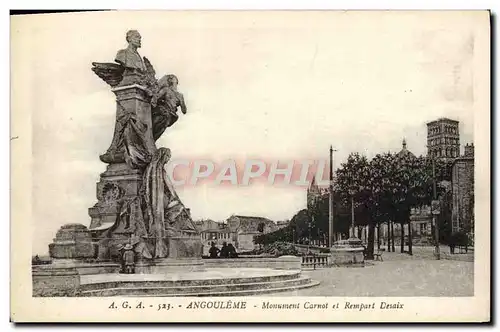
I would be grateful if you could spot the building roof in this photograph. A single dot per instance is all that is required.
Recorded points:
(313, 186)
(216, 230)
(252, 218)
(404, 151)
(442, 120)
(250, 223)
(468, 154)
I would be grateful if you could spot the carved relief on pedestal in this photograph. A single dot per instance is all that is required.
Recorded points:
(110, 193)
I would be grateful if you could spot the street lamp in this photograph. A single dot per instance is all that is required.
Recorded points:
(309, 226)
(435, 211)
(330, 200)
(352, 192)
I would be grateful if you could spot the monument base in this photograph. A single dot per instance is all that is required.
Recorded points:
(166, 277)
(210, 283)
(348, 252)
(72, 241)
(170, 265)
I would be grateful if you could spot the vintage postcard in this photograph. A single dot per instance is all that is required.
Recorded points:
(250, 166)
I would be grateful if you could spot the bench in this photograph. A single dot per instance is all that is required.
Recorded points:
(378, 255)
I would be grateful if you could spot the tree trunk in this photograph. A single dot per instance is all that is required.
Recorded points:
(392, 237)
(371, 241)
(410, 245)
(402, 237)
(378, 236)
(389, 236)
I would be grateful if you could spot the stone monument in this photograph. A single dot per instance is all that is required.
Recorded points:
(139, 211)
(136, 201)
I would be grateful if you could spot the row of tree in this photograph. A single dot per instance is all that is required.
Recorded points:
(383, 190)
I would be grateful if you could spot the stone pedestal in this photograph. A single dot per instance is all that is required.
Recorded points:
(185, 246)
(134, 100)
(120, 183)
(347, 253)
(72, 241)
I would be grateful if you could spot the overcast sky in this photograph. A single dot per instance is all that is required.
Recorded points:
(266, 85)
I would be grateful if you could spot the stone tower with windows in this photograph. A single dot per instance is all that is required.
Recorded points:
(313, 193)
(443, 139)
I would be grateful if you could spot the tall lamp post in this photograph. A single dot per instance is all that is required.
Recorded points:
(352, 192)
(435, 211)
(330, 201)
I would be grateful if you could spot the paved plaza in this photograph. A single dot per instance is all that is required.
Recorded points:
(398, 275)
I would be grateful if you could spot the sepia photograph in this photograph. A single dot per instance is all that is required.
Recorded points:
(319, 166)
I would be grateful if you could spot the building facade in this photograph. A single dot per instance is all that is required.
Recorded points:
(443, 139)
(238, 230)
(216, 232)
(463, 191)
(247, 228)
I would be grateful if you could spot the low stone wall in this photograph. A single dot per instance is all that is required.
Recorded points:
(50, 280)
(278, 263)
(62, 277)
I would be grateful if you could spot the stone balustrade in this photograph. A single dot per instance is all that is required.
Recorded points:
(316, 261)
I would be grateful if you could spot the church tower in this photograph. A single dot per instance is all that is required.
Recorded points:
(313, 193)
(404, 151)
(443, 139)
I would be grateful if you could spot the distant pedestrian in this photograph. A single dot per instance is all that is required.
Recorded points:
(224, 251)
(213, 251)
(129, 259)
(36, 260)
(232, 251)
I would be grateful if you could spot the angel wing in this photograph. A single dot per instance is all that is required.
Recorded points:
(150, 71)
(110, 73)
(151, 81)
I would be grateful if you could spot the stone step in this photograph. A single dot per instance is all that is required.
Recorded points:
(205, 290)
(312, 283)
(90, 286)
